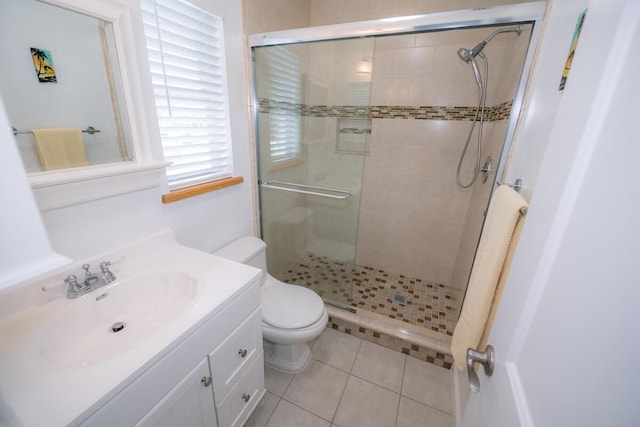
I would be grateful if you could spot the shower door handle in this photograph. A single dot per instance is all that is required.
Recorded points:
(486, 358)
(312, 190)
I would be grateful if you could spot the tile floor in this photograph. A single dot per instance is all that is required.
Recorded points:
(433, 306)
(351, 383)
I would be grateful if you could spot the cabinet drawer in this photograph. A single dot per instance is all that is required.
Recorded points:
(244, 396)
(231, 358)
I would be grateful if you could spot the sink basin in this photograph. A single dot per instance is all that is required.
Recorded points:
(111, 320)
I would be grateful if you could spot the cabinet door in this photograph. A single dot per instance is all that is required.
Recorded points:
(189, 404)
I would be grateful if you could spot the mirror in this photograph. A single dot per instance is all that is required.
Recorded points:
(60, 70)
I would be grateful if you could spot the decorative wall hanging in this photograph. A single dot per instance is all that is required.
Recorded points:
(572, 50)
(44, 65)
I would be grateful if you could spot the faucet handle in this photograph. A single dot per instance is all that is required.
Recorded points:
(72, 281)
(107, 274)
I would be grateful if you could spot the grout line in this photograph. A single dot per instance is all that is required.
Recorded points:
(305, 410)
(355, 359)
(273, 411)
(404, 371)
(428, 406)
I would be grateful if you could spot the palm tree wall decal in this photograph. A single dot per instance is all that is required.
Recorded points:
(44, 65)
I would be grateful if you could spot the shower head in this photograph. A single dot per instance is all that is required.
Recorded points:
(468, 55)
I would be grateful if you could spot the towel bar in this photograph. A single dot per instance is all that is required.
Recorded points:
(90, 130)
(517, 186)
(313, 190)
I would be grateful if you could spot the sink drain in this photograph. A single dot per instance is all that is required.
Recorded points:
(117, 327)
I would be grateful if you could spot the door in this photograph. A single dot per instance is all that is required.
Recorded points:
(311, 157)
(566, 335)
(189, 404)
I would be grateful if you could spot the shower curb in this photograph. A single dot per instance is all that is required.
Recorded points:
(410, 343)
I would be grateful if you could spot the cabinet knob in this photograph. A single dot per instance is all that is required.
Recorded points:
(246, 397)
(206, 381)
(242, 352)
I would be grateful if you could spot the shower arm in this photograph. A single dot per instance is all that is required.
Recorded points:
(517, 30)
(468, 55)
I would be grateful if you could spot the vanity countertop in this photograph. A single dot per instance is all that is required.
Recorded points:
(42, 392)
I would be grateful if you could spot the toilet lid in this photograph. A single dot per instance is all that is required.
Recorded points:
(291, 306)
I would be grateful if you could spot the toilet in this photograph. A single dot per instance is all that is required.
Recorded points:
(292, 315)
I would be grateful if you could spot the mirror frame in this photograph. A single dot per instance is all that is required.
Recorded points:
(66, 187)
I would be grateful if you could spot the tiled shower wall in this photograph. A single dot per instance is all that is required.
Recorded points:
(413, 218)
(508, 76)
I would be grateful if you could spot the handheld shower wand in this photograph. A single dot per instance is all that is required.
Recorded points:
(469, 56)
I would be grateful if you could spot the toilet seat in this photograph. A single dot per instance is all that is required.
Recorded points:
(290, 306)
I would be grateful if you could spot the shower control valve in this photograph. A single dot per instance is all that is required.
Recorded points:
(486, 169)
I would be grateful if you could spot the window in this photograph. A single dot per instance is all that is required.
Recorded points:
(185, 47)
(284, 94)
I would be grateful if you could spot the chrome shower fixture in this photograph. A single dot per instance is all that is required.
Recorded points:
(468, 55)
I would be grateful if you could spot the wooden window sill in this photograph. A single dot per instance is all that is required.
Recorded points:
(195, 190)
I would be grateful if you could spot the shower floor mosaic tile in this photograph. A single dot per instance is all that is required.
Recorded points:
(432, 306)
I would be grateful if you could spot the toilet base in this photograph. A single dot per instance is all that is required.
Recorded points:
(288, 358)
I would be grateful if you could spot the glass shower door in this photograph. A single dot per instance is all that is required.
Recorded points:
(313, 134)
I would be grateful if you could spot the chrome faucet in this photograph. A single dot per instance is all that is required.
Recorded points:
(91, 280)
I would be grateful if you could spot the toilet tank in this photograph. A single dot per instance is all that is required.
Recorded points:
(246, 250)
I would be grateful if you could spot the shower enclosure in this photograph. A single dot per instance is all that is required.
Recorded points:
(359, 137)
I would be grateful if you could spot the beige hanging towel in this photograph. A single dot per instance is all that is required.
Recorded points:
(497, 244)
(60, 148)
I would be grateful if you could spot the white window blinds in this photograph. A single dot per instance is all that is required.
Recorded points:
(285, 94)
(185, 46)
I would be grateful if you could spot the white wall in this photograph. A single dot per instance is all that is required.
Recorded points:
(204, 222)
(543, 97)
(25, 251)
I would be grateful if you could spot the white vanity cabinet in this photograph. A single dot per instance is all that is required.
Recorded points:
(213, 378)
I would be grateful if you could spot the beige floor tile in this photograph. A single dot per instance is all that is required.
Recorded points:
(412, 414)
(367, 405)
(276, 382)
(263, 411)
(317, 389)
(336, 349)
(428, 384)
(380, 365)
(289, 415)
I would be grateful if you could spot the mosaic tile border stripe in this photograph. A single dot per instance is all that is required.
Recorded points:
(493, 113)
(394, 343)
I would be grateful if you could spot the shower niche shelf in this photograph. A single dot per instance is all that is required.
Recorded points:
(353, 135)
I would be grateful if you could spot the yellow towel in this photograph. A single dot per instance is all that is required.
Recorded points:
(60, 148)
(497, 235)
(501, 281)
